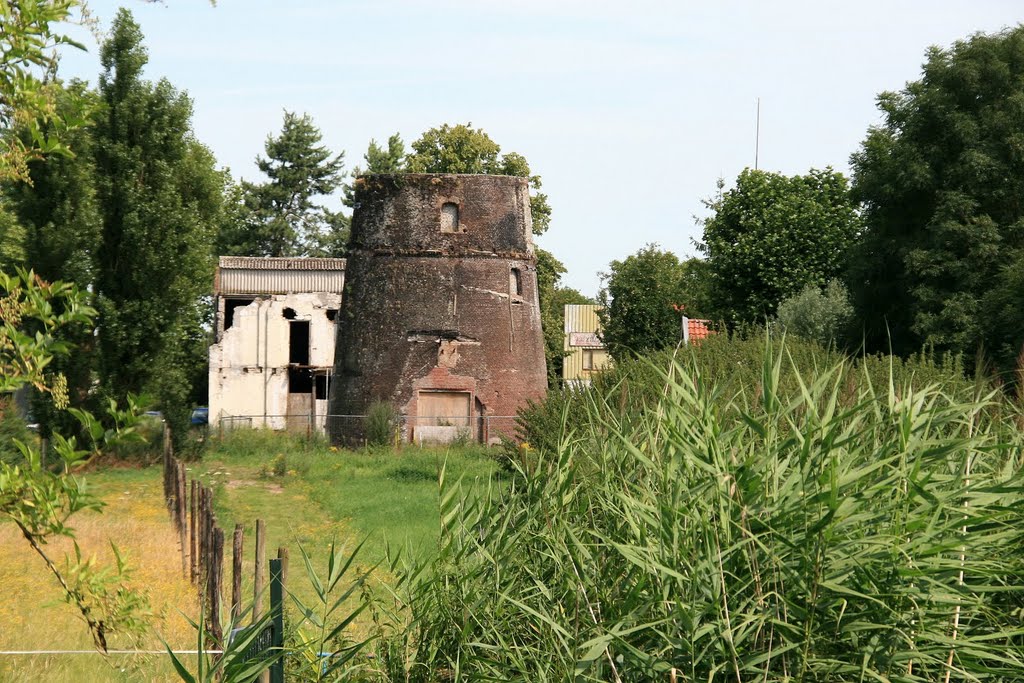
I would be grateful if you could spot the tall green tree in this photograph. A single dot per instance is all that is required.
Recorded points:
(463, 149)
(58, 206)
(771, 235)
(160, 198)
(941, 182)
(644, 298)
(283, 215)
(61, 227)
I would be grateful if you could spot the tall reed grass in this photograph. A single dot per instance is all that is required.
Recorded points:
(808, 525)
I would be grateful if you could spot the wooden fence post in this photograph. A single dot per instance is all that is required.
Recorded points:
(192, 534)
(236, 572)
(183, 518)
(258, 581)
(216, 581)
(277, 620)
(282, 554)
(201, 539)
(208, 532)
(166, 466)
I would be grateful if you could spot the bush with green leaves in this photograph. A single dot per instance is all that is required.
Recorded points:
(275, 467)
(802, 526)
(381, 423)
(820, 315)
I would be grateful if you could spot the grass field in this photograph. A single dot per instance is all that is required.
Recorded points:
(379, 497)
(34, 618)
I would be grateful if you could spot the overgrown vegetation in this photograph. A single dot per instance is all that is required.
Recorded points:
(39, 499)
(381, 423)
(732, 361)
(827, 521)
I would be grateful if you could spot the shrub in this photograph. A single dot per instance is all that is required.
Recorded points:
(277, 467)
(146, 446)
(381, 423)
(820, 316)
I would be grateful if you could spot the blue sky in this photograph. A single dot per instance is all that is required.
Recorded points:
(630, 111)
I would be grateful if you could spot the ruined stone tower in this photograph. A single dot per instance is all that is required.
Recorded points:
(440, 315)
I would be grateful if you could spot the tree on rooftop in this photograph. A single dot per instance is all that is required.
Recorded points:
(462, 149)
(383, 160)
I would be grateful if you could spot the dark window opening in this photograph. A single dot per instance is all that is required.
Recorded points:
(449, 217)
(229, 310)
(300, 381)
(321, 387)
(289, 314)
(515, 282)
(298, 342)
(332, 314)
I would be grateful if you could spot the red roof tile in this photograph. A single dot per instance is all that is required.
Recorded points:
(699, 329)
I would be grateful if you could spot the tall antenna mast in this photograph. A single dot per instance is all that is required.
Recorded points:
(757, 134)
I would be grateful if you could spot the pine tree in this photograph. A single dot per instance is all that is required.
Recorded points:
(282, 216)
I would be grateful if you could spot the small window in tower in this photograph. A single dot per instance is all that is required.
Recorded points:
(588, 359)
(332, 314)
(449, 217)
(515, 282)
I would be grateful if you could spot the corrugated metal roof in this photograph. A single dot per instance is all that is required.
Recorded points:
(277, 263)
(582, 318)
(255, 275)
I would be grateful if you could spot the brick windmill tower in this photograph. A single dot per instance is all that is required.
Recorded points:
(440, 315)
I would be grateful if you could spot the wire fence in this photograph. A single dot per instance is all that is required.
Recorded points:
(356, 429)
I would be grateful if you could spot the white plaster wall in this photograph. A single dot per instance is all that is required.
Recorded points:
(312, 307)
(249, 366)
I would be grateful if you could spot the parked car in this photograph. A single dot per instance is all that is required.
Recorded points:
(200, 416)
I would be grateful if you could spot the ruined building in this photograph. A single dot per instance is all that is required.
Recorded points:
(440, 316)
(273, 357)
